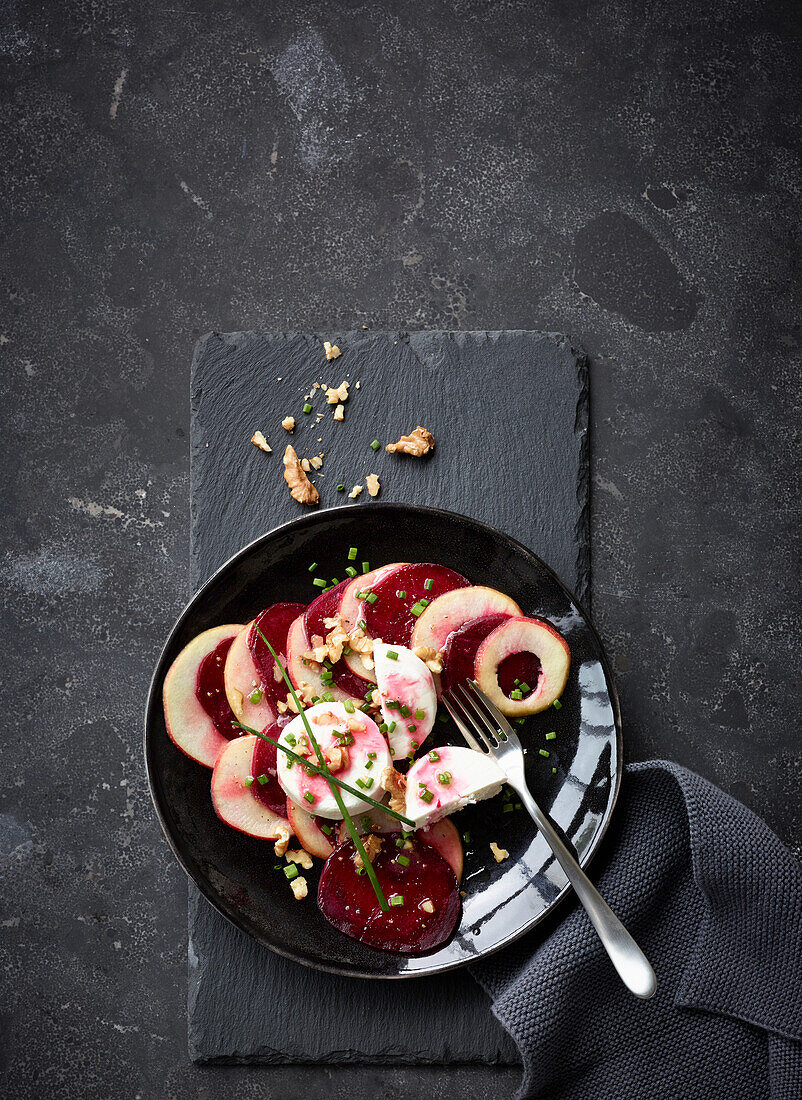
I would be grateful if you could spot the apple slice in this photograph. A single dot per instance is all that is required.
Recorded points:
(455, 608)
(505, 643)
(310, 835)
(243, 680)
(196, 712)
(366, 757)
(406, 682)
(306, 674)
(234, 799)
(352, 609)
(448, 778)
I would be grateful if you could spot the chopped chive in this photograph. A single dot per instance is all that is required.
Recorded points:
(340, 488)
(396, 899)
(248, 780)
(428, 584)
(519, 721)
(315, 699)
(371, 597)
(445, 778)
(313, 567)
(346, 649)
(375, 445)
(349, 706)
(417, 609)
(365, 783)
(424, 602)
(369, 694)
(401, 593)
(291, 739)
(365, 566)
(551, 736)
(553, 771)
(518, 806)
(466, 837)
(278, 866)
(413, 729)
(392, 655)
(307, 408)
(256, 696)
(544, 752)
(309, 796)
(442, 716)
(405, 711)
(506, 808)
(383, 728)
(391, 727)
(362, 624)
(291, 871)
(318, 582)
(327, 697)
(371, 756)
(420, 714)
(392, 704)
(352, 553)
(427, 796)
(434, 756)
(350, 571)
(403, 860)
(524, 688)
(326, 830)
(516, 681)
(361, 595)
(263, 779)
(516, 694)
(334, 581)
(399, 843)
(557, 704)
(365, 708)
(368, 765)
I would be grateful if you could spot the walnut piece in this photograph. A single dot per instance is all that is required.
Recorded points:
(357, 489)
(417, 443)
(316, 462)
(259, 441)
(395, 784)
(499, 854)
(337, 758)
(427, 906)
(372, 845)
(431, 658)
(288, 423)
(373, 485)
(301, 488)
(339, 412)
(283, 840)
(299, 888)
(301, 857)
(338, 394)
(331, 350)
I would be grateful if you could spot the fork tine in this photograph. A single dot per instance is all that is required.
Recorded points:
(451, 706)
(491, 708)
(480, 714)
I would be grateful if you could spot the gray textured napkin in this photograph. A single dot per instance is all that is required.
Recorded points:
(715, 899)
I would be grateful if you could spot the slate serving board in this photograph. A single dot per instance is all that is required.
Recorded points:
(509, 412)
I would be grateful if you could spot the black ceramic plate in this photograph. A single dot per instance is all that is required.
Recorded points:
(503, 900)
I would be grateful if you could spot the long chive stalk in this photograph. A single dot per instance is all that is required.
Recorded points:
(338, 798)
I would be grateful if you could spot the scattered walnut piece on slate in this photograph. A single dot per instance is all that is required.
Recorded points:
(288, 423)
(373, 485)
(331, 350)
(417, 443)
(259, 441)
(301, 488)
(357, 489)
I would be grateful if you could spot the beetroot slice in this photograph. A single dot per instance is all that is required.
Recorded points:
(459, 654)
(210, 692)
(326, 606)
(348, 902)
(274, 622)
(264, 763)
(519, 668)
(390, 616)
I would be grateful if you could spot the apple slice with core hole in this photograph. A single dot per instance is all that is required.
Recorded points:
(310, 835)
(196, 712)
(406, 682)
(352, 609)
(366, 757)
(506, 642)
(234, 799)
(306, 675)
(453, 609)
(448, 778)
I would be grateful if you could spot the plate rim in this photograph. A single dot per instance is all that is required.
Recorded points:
(154, 698)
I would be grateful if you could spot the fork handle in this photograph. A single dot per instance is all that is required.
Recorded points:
(634, 969)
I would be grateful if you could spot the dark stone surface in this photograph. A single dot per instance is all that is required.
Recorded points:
(307, 165)
(536, 491)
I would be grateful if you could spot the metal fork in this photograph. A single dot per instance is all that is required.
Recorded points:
(477, 717)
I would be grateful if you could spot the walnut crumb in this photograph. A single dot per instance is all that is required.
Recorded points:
(331, 350)
(430, 657)
(357, 489)
(259, 441)
(339, 412)
(299, 888)
(316, 462)
(301, 488)
(305, 465)
(373, 485)
(395, 784)
(282, 840)
(427, 906)
(372, 845)
(288, 423)
(337, 758)
(417, 443)
(499, 854)
(299, 856)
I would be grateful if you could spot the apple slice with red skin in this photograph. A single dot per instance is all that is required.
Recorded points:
(455, 608)
(190, 725)
(522, 635)
(306, 674)
(234, 799)
(250, 669)
(309, 834)
(352, 609)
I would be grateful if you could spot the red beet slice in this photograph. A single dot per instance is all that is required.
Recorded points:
(274, 622)
(348, 902)
(264, 763)
(210, 692)
(390, 616)
(460, 651)
(517, 669)
(326, 606)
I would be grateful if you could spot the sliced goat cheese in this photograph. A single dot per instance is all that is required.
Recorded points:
(355, 749)
(405, 682)
(446, 779)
